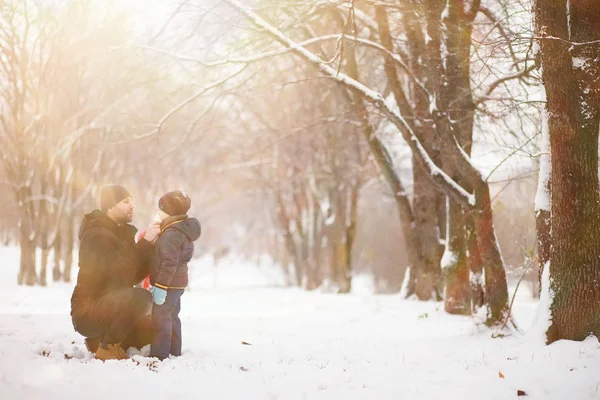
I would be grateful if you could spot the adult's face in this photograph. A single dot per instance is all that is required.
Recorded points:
(122, 212)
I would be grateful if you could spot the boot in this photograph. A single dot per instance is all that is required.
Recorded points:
(111, 352)
(92, 344)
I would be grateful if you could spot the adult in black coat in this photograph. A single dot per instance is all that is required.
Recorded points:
(105, 307)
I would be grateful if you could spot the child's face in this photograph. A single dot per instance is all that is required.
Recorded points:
(160, 216)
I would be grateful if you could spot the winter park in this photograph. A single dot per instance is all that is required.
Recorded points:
(320, 199)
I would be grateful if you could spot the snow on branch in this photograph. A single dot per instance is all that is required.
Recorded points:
(453, 189)
(549, 37)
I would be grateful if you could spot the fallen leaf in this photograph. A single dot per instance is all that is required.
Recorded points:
(243, 369)
(246, 343)
(500, 375)
(521, 393)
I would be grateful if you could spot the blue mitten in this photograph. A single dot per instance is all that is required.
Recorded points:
(159, 295)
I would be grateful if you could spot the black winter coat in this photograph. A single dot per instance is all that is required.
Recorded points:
(174, 249)
(109, 259)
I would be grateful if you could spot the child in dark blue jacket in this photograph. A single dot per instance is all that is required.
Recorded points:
(174, 249)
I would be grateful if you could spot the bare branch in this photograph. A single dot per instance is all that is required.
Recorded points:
(499, 81)
(444, 181)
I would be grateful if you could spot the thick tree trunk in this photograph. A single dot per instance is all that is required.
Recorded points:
(475, 269)
(449, 79)
(571, 76)
(426, 229)
(458, 100)
(457, 299)
(543, 215)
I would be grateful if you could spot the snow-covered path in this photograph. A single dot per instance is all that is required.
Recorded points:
(301, 346)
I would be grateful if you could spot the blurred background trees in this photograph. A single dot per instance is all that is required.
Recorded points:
(279, 156)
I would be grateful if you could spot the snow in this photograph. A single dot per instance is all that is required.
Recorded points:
(476, 278)
(579, 62)
(302, 345)
(449, 258)
(543, 317)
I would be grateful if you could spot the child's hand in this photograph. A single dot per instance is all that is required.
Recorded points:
(159, 295)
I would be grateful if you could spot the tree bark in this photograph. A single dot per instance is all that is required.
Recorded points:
(69, 248)
(457, 299)
(346, 279)
(58, 254)
(571, 76)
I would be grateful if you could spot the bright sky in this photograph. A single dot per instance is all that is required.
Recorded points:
(148, 15)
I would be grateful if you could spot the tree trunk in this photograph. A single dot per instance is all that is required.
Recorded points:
(44, 266)
(313, 249)
(475, 269)
(27, 273)
(496, 291)
(543, 205)
(429, 227)
(288, 237)
(457, 298)
(69, 248)
(346, 278)
(340, 249)
(421, 274)
(426, 229)
(571, 76)
(58, 254)
(457, 99)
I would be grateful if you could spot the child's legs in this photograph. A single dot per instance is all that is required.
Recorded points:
(176, 334)
(162, 316)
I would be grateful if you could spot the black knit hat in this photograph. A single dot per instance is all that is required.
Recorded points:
(175, 203)
(110, 195)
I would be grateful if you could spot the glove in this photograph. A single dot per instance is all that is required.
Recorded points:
(159, 295)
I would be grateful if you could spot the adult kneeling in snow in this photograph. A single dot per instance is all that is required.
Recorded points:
(105, 307)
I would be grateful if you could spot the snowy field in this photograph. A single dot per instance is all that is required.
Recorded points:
(300, 346)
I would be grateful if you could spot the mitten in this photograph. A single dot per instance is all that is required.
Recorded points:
(159, 295)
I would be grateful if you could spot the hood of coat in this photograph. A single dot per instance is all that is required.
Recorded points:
(190, 227)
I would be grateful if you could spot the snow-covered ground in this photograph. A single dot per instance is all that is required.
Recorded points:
(301, 346)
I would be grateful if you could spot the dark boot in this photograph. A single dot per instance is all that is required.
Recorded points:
(111, 352)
